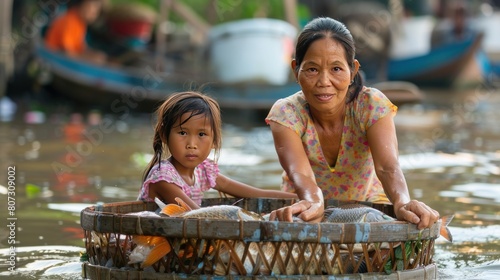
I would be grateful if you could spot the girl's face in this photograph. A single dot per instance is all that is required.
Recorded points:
(324, 74)
(191, 143)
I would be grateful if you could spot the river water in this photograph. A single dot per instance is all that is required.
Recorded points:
(449, 151)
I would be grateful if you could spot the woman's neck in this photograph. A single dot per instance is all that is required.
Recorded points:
(331, 118)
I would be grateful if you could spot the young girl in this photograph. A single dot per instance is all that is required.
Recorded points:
(188, 128)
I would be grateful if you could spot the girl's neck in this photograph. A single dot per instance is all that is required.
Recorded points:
(190, 181)
(187, 174)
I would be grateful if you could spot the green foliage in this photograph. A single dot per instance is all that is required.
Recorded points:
(398, 255)
(151, 3)
(225, 10)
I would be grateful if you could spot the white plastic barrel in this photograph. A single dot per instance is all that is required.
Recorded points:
(252, 50)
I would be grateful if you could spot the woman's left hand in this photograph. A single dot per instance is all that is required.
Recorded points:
(305, 210)
(418, 213)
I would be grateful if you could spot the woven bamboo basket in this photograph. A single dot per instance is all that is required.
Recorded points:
(232, 249)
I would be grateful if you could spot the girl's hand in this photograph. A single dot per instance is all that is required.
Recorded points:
(305, 210)
(418, 213)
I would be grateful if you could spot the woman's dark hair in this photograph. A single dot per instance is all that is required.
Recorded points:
(169, 116)
(323, 27)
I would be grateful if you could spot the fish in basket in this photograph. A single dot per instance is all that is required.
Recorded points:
(233, 237)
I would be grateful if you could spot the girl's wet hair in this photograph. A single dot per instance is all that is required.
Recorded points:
(324, 27)
(169, 114)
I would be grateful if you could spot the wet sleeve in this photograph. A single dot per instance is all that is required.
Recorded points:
(289, 114)
(373, 105)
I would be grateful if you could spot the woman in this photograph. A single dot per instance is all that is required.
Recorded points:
(336, 138)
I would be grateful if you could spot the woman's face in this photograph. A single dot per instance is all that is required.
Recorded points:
(324, 74)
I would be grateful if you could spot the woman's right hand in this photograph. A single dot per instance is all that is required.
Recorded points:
(305, 210)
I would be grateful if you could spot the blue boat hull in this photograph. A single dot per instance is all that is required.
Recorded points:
(440, 67)
(144, 89)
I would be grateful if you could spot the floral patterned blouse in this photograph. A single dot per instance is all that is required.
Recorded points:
(353, 176)
(205, 175)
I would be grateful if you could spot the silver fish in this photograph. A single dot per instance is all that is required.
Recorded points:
(354, 213)
(360, 213)
(222, 212)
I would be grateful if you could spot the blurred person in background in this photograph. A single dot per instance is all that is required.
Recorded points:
(68, 31)
(454, 25)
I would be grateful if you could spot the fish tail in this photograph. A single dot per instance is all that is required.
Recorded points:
(183, 204)
(186, 253)
(155, 240)
(157, 253)
(444, 230)
(148, 240)
(141, 239)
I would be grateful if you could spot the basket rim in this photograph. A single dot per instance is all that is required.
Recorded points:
(93, 218)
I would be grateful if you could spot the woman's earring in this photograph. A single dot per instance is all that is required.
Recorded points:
(351, 82)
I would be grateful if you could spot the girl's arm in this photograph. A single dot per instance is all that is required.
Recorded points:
(384, 148)
(238, 189)
(294, 161)
(167, 192)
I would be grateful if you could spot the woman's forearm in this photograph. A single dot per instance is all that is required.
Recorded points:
(306, 188)
(394, 184)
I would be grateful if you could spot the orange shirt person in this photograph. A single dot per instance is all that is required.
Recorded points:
(67, 32)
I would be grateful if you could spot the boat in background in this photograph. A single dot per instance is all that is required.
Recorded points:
(491, 45)
(489, 24)
(144, 89)
(243, 64)
(400, 92)
(440, 66)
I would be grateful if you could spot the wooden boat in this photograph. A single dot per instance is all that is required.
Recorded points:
(441, 66)
(400, 92)
(144, 89)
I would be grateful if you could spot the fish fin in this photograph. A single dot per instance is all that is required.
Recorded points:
(388, 218)
(237, 201)
(186, 252)
(173, 210)
(141, 239)
(155, 240)
(160, 203)
(210, 250)
(148, 240)
(183, 204)
(444, 230)
(157, 253)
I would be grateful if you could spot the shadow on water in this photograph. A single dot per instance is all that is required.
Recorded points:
(68, 157)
